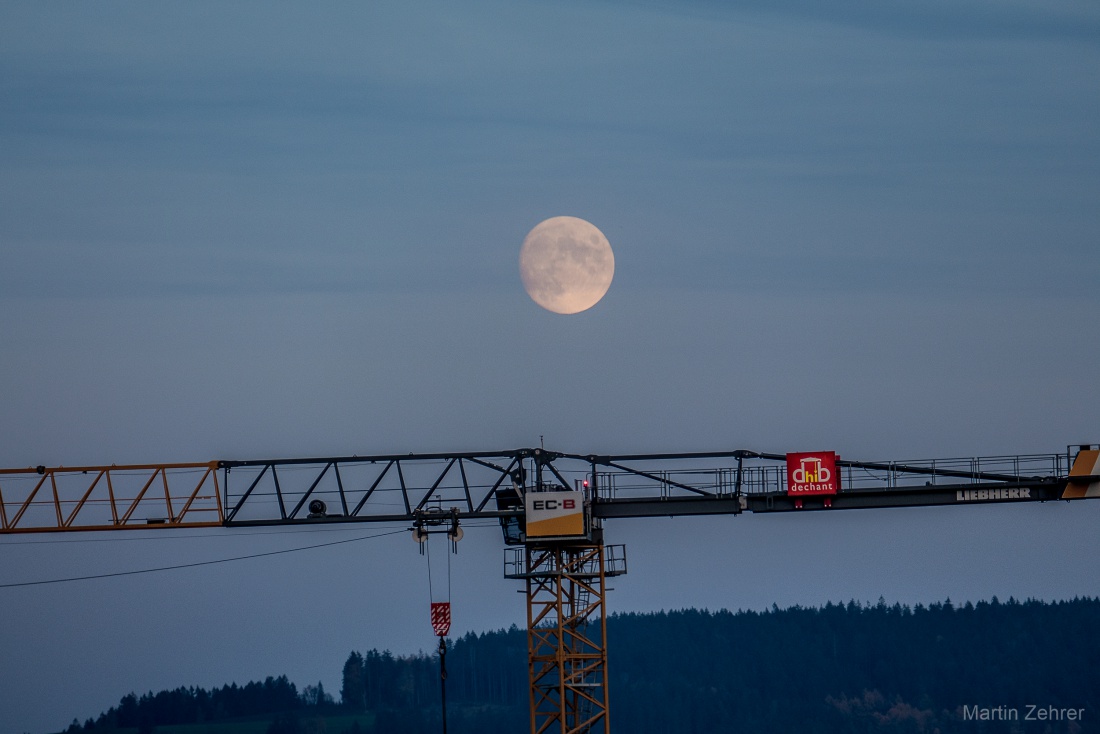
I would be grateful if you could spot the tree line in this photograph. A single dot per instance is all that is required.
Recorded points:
(198, 705)
(838, 668)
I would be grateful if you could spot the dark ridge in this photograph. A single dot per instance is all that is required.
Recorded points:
(839, 668)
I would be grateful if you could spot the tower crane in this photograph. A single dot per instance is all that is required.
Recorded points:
(551, 507)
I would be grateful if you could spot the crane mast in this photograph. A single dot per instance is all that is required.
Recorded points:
(551, 507)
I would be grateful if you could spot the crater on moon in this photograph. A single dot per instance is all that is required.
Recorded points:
(566, 264)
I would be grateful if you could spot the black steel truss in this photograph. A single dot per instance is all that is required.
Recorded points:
(422, 488)
(385, 488)
(403, 487)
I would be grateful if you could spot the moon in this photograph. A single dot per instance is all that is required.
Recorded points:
(566, 264)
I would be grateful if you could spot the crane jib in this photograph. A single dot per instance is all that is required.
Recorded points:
(550, 507)
(478, 485)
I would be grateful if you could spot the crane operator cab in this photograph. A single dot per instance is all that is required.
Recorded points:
(549, 513)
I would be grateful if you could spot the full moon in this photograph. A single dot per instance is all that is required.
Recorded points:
(566, 265)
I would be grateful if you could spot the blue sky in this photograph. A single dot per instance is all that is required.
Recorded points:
(282, 230)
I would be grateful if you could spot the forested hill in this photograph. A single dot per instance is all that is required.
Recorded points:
(839, 668)
(851, 668)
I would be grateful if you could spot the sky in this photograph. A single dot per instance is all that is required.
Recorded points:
(265, 230)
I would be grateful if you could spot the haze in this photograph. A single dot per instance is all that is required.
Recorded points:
(267, 229)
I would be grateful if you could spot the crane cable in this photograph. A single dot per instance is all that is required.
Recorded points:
(196, 564)
(441, 634)
(431, 588)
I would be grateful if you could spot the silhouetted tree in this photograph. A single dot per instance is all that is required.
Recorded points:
(353, 692)
(850, 667)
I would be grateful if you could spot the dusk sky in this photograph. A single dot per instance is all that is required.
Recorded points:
(266, 230)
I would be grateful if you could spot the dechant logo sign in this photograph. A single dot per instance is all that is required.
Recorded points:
(812, 473)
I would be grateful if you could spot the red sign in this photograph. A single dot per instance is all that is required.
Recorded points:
(441, 617)
(812, 473)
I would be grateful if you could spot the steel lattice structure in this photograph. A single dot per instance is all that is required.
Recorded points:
(564, 577)
(566, 629)
(395, 488)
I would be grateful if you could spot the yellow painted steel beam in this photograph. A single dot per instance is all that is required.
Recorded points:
(567, 660)
(78, 498)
